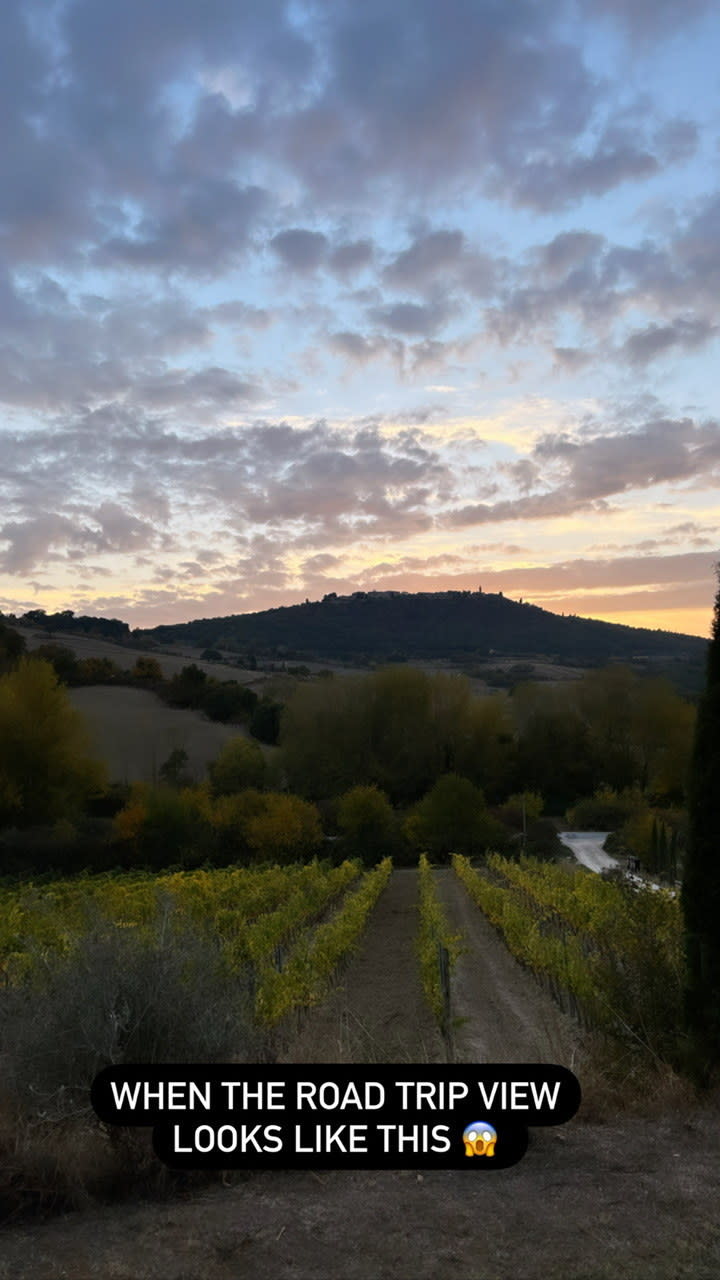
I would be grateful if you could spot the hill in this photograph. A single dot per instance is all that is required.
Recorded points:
(455, 625)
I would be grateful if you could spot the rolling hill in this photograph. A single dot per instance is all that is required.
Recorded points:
(455, 625)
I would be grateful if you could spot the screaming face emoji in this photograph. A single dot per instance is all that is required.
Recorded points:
(480, 1139)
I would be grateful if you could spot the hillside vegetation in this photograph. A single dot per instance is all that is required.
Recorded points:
(447, 624)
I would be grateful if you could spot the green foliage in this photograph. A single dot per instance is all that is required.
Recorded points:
(166, 825)
(62, 660)
(606, 810)
(615, 949)
(367, 822)
(164, 993)
(434, 936)
(239, 765)
(554, 756)
(611, 726)
(173, 771)
(147, 671)
(309, 967)
(520, 809)
(12, 647)
(452, 817)
(286, 829)
(97, 671)
(187, 687)
(46, 771)
(265, 721)
(459, 624)
(398, 729)
(251, 910)
(228, 701)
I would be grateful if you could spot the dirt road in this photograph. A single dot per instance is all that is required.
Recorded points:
(503, 1014)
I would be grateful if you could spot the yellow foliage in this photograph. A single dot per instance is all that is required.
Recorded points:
(46, 771)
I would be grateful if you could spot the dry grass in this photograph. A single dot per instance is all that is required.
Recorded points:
(170, 663)
(617, 1082)
(134, 732)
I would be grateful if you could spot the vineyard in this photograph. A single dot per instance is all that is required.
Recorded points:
(270, 922)
(609, 952)
(438, 947)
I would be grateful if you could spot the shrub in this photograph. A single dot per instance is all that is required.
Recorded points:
(367, 822)
(288, 829)
(265, 721)
(452, 818)
(240, 765)
(606, 810)
(165, 825)
(120, 995)
(227, 701)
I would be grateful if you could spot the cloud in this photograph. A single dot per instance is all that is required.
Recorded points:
(655, 340)
(304, 486)
(164, 139)
(203, 232)
(410, 318)
(361, 348)
(351, 256)
(212, 386)
(43, 539)
(651, 18)
(299, 249)
(427, 257)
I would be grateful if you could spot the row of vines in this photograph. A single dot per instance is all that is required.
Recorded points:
(438, 948)
(251, 910)
(288, 926)
(610, 952)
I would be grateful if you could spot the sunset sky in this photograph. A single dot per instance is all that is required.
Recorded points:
(309, 297)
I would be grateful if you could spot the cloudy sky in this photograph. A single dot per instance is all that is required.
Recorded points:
(306, 297)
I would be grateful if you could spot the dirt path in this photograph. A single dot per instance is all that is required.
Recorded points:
(634, 1199)
(504, 1014)
(630, 1201)
(377, 1012)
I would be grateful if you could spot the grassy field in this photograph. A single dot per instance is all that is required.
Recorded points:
(170, 663)
(134, 732)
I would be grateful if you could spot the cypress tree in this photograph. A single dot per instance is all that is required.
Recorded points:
(700, 895)
(662, 851)
(672, 868)
(652, 860)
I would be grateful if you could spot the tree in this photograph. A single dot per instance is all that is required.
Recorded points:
(240, 765)
(173, 771)
(12, 647)
(367, 822)
(46, 771)
(288, 830)
(265, 721)
(147, 670)
(452, 818)
(166, 825)
(700, 895)
(187, 687)
(227, 701)
(62, 659)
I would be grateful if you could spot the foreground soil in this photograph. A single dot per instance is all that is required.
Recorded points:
(634, 1198)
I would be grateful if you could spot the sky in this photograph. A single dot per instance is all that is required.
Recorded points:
(310, 297)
